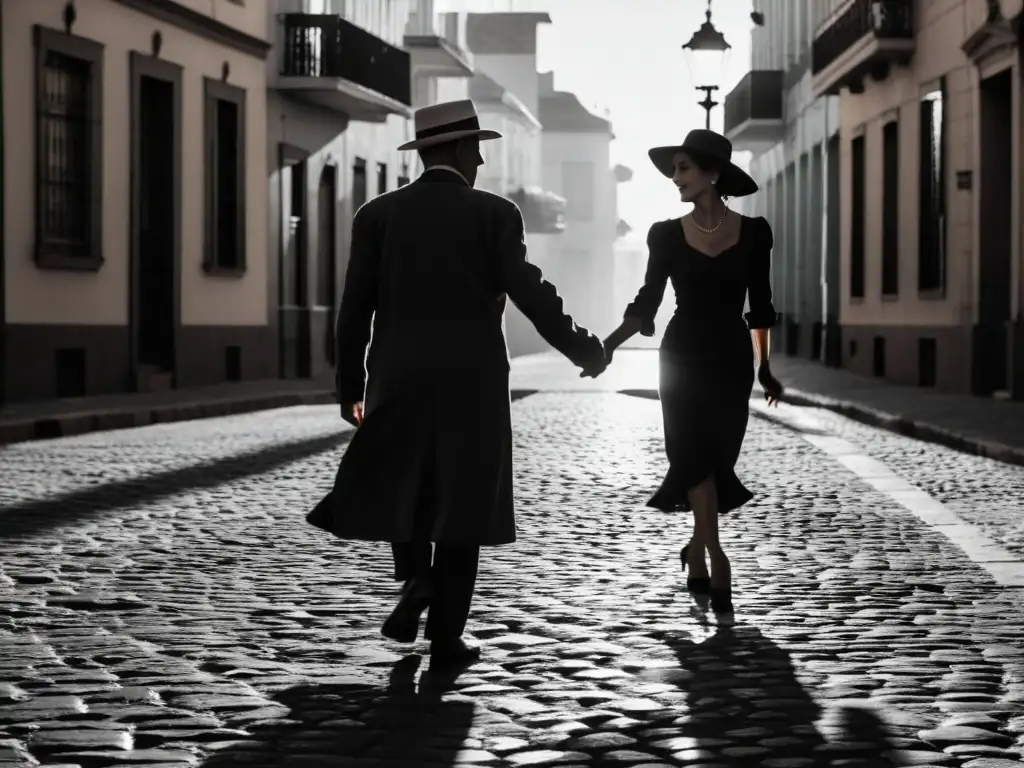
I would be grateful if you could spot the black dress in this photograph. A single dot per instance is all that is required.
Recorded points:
(706, 357)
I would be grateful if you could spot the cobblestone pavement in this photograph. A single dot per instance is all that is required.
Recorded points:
(162, 603)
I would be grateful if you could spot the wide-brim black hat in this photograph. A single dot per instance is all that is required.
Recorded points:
(702, 144)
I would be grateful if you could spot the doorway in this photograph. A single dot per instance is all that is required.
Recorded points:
(991, 351)
(293, 274)
(327, 229)
(155, 221)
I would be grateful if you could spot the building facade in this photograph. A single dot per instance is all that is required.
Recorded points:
(790, 132)
(134, 251)
(506, 92)
(913, 109)
(338, 106)
(576, 152)
(929, 152)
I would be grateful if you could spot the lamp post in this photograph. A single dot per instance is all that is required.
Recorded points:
(706, 53)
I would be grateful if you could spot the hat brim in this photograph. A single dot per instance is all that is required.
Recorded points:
(441, 138)
(733, 181)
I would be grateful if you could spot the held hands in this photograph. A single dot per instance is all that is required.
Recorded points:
(772, 387)
(352, 413)
(595, 370)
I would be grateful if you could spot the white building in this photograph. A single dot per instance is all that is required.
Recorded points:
(576, 151)
(792, 134)
(505, 90)
(134, 173)
(345, 76)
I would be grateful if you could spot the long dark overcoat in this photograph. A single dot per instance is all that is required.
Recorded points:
(429, 267)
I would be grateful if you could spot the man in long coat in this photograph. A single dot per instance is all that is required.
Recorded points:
(431, 459)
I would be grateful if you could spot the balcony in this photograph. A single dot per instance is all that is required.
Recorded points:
(754, 120)
(437, 45)
(543, 212)
(331, 63)
(863, 38)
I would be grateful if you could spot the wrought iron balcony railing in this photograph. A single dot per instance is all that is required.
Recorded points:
(328, 46)
(883, 19)
(758, 96)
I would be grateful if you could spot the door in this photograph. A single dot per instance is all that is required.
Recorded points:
(327, 226)
(990, 348)
(295, 358)
(155, 281)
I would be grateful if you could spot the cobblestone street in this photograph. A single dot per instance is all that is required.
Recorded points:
(165, 604)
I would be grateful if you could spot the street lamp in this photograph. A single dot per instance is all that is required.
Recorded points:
(706, 53)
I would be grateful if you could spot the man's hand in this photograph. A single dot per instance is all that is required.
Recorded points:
(773, 389)
(596, 367)
(352, 413)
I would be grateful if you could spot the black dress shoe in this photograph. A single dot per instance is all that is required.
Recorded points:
(403, 624)
(445, 653)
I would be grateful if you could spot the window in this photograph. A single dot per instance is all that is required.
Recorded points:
(578, 190)
(225, 178)
(931, 254)
(890, 208)
(857, 218)
(382, 178)
(403, 181)
(69, 160)
(359, 184)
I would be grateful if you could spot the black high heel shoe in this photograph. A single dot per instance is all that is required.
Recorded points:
(700, 585)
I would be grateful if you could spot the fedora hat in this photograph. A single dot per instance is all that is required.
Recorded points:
(447, 121)
(705, 145)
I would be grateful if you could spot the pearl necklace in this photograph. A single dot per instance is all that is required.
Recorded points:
(714, 228)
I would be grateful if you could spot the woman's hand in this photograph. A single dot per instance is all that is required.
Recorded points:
(772, 387)
(609, 349)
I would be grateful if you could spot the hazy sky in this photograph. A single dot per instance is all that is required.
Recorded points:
(626, 56)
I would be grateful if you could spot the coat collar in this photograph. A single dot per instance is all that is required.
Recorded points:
(443, 174)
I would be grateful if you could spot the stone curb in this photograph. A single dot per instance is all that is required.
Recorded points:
(901, 425)
(82, 422)
(908, 427)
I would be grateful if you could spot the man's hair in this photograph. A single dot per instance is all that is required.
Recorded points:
(440, 154)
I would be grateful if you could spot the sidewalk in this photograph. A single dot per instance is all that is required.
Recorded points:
(982, 426)
(975, 425)
(59, 418)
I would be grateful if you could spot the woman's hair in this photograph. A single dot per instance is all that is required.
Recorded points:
(707, 164)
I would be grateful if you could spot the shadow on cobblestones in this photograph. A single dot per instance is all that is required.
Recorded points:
(350, 725)
(35, 517)
(743, 691)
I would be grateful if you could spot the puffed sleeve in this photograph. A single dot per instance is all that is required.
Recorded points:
(648, 299)
(759, 282)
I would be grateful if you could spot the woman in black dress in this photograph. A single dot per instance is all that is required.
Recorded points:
(715, 259)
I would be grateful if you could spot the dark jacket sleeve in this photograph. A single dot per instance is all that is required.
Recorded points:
(358, 303)
(759, 284)
(648, 299)
(537, 298)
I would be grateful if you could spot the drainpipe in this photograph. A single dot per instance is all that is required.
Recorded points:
(3, 236)
(824, 237)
